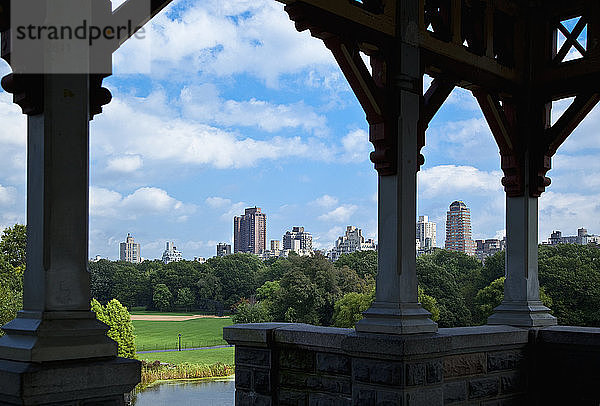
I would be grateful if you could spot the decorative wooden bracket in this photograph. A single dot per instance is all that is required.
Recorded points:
(432, 101)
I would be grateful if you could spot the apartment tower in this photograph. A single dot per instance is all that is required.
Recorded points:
(458, 229)
(250, 231)
(130, 250)
(426, 232)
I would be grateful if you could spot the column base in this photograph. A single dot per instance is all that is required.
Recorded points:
(83, 382)
(55, 336)
(394, 318)
(522, 314)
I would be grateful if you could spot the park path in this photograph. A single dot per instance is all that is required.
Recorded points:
(185, 349)
(150, 317)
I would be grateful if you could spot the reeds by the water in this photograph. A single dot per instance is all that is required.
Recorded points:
(155, 371)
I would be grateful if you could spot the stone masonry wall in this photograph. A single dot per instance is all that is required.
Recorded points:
(307, 365)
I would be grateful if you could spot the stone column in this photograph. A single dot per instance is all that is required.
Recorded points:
(521, 305)
(396, 309)
(56, 324)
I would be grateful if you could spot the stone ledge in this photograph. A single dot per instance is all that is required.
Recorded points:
(254, 334)
(64, 382)
(570, 336)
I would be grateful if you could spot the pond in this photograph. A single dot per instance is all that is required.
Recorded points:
(212, 392)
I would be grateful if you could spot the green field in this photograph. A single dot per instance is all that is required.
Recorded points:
(163, 335)
(206, 357)
(152, 313)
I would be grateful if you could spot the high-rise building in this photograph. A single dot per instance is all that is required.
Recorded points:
(130, 250)
(275, 246)
(458, 229)
(487, 248)
(303, 238)
(250, 231)
(426, 234)
(171, 254)
(223, 249)
(350, 242)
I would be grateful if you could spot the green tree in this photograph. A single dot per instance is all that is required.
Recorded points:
(246, 312)
(13, 244)
(185, 298)
(162, 297)
(363, 262)
(116, 316)
(491, 296)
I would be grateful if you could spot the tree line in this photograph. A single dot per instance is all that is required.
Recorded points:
(457, 289)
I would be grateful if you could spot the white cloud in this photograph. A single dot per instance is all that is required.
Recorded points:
(8, 195)
(326, 201)
(448, 179)
(176, 141)
(567, 212)
(340, 214)
(217, 202)
(124, 163)
(143, 201)
(356, 146)
(204, 103)
(226, 37)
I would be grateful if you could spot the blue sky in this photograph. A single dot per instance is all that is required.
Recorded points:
(238, 109)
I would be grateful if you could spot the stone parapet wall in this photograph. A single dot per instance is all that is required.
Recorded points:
(295, 364)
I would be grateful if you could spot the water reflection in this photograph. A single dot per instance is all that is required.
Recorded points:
(217, 392)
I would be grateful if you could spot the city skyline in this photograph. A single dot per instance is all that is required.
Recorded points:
(174, 156)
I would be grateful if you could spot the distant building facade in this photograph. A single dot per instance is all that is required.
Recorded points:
(297, 240)
(582, 238)
(458, 229)
(171, 254)
(275, 246)
(130, 250)
(223, 249)
(487, 248)
(350, 242)
(426, 235)
(250, 231)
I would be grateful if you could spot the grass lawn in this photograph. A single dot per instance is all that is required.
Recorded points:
(206, 357)
(152, 313)
(163, 335)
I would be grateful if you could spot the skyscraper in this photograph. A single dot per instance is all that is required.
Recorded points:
(426, 233)
(458, 229)
(171, 254)
(223, 249)
(130, 250)
(304, 239)
(250, 231)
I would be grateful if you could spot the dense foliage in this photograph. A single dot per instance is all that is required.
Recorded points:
(12, 266)
(116, 316)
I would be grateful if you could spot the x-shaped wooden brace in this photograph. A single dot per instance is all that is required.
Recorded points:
(571, 39)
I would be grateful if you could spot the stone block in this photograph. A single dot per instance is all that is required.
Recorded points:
(380, 372)
(425, 397)
(389, 398)
(504, 360)
(512, 382)
(334, 363)
(293, 379)
(364, 396)
(252, 356)
(297, 359)
(262, 382)
(243, 398)
(292, 398)
(434, 372)
(329, 384)
(455, 392)
(243, 378)
(415, 374)
(464, 364)
(481, 388)
(319, 399)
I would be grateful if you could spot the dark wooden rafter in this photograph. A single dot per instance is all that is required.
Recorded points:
(432, 101)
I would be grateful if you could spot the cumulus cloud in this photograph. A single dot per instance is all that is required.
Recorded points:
(226, 37)
(326, 201)
(8, 195)
(124, 163)
(205, 104)
(143, 201)
(173, 140)
(444, 179)
(567, 212)
(356, 146)
(340, 214)
(217, 202)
